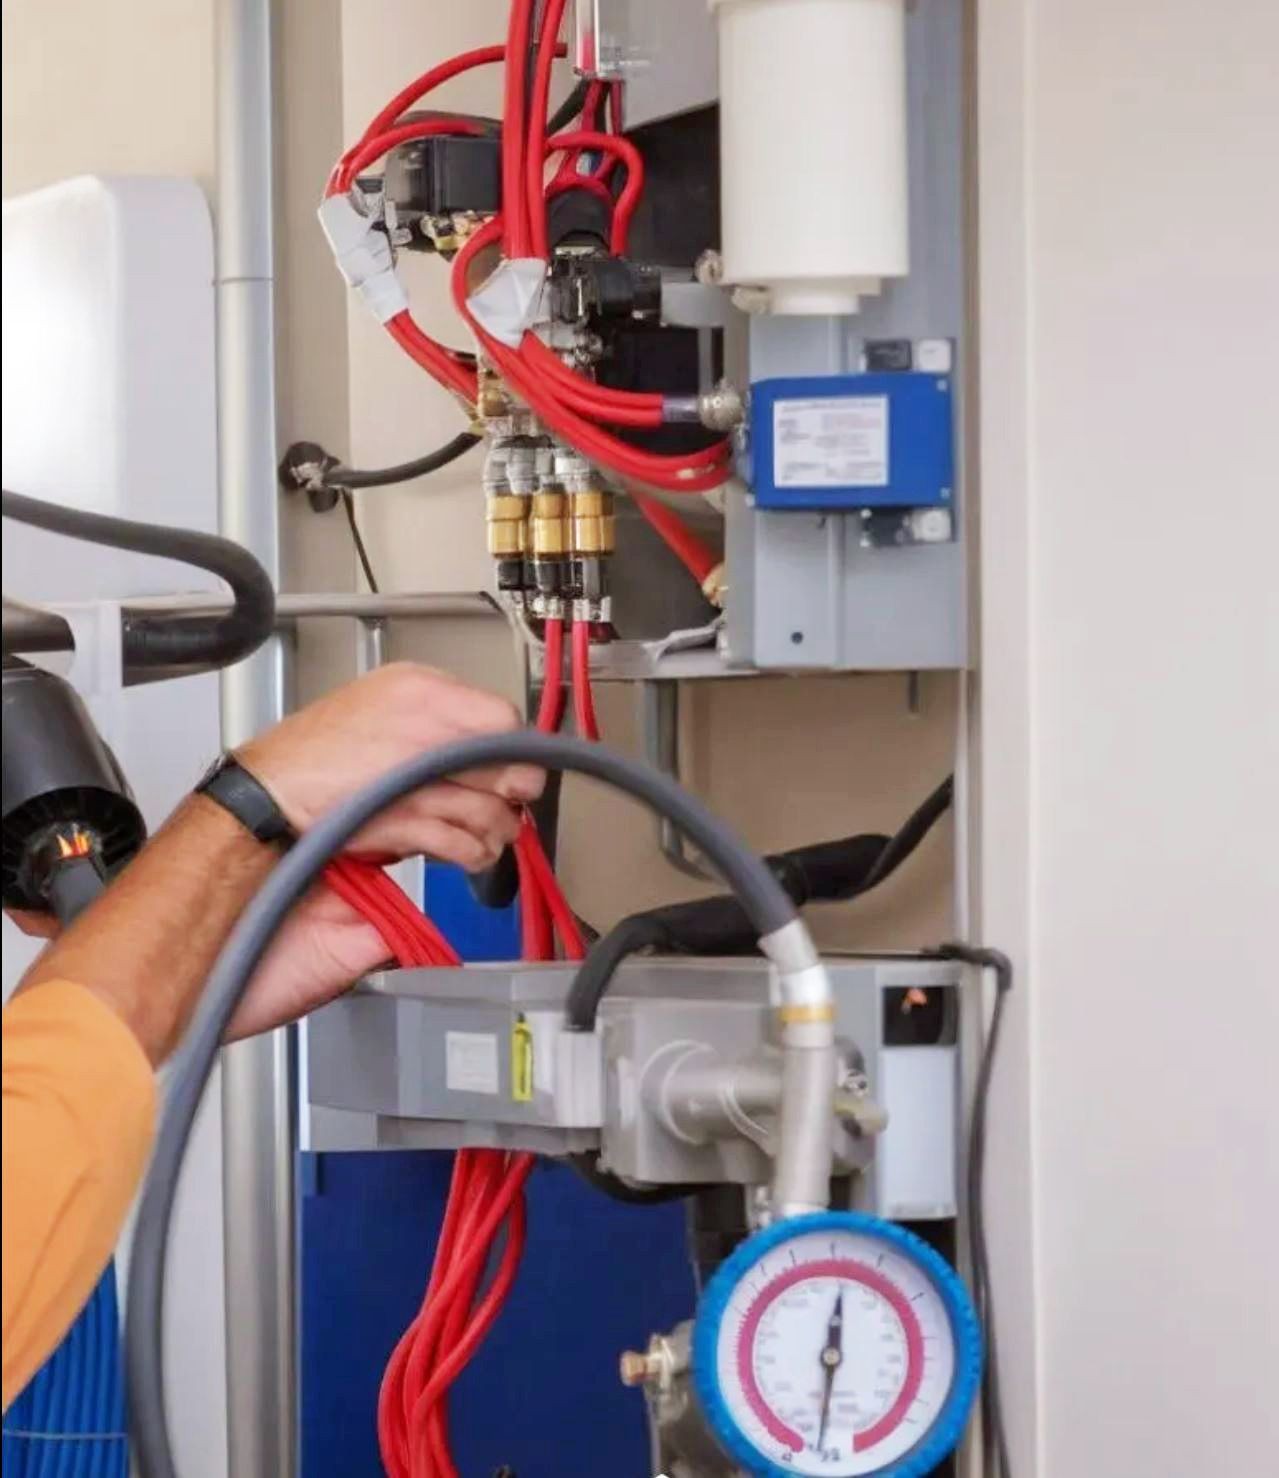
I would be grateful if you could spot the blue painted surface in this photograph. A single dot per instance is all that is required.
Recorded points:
(940, 1440)
(920, 469)
(476, 932)
(597, 1278)
(69, 1421)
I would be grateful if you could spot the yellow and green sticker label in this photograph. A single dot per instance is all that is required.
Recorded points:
(521, 1060)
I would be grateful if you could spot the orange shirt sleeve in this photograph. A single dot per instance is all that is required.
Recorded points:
(79, 1112)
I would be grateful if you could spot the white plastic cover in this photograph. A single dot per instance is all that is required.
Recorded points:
(510, 302)
(364, 257)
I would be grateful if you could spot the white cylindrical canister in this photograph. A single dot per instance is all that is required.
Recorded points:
(813, 148)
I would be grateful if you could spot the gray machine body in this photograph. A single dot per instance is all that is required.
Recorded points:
(481, 1056)
(806, 591)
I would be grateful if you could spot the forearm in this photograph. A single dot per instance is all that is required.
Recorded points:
(146, 946)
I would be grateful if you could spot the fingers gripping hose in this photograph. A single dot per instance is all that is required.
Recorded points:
(195, 641)
(803, 1166)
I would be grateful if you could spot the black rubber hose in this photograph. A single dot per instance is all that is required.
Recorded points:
(568, 109)
(826, 872)
(498, 886)
(148, 641)
(763, 898)
(353, 479)
(912, 831)
(75, 884)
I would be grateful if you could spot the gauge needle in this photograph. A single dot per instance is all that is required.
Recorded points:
(832, 1357)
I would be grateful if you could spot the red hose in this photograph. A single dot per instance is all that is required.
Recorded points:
(433, 357)
(535, 145)
(620, 148)
(516, 240)
(536, 942)
(485, 1313)
(528, 846)
(695, 473)
(583, 699)
(546, 362)
(589, 118)
(550, 711)
(697, 558)
(374, 146)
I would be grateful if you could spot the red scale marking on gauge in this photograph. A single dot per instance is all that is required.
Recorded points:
(853, 1272)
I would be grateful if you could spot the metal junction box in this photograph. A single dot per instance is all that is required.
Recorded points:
(481, 1056)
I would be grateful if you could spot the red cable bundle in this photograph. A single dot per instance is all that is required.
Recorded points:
(568, 402)
(486, 1191)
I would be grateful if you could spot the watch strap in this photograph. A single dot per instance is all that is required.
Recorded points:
(247, 799)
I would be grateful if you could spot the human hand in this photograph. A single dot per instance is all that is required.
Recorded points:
(325, 752)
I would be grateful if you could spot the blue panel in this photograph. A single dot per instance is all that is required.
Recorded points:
(476, 932)
(543, 1389)
(853, 441)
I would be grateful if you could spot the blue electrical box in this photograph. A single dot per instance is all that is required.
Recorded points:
(854, 441)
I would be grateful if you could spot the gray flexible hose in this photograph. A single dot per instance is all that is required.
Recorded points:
(761, 896)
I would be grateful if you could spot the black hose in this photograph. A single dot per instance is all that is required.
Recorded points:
(353, 479)
(150, 641)
(826, 872)
(568, 109)
(357, 540)
(911, 832)
(76, 882)
(763, 898)
(499, 885)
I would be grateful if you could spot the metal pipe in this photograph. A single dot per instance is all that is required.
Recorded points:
(37, 629)
(372, 649)
(358, 607)
(258, 1079)
(660, 718)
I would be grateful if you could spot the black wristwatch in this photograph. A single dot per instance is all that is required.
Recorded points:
(247, 799)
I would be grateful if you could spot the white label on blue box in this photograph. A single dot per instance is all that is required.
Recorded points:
(838, 441)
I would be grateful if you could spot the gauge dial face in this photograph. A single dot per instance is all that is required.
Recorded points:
(835, 1353)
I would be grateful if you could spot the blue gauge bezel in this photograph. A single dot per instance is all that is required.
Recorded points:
(941, 1438)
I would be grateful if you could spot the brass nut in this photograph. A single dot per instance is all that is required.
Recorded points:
(548, 527)
(506, 523)
(591, 517)
(593, 502)
(633, 1368)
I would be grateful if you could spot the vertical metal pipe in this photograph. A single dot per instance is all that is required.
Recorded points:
(258, 1092)
(659, 718)
(372, 649)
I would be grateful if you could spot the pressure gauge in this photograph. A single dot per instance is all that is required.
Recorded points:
(836, 1344)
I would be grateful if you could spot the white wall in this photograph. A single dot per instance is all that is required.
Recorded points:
(1131, 723)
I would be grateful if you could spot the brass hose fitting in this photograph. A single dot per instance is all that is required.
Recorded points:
(591, 523)
(505, 516)
(548, 527)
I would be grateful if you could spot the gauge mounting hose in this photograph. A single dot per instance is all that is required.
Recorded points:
(782, 936)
